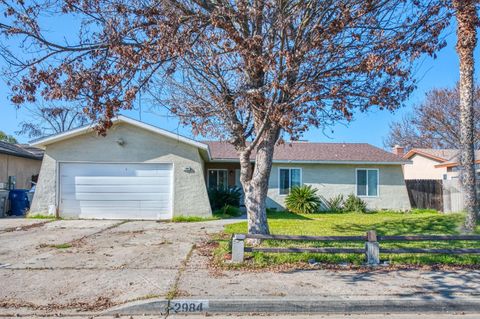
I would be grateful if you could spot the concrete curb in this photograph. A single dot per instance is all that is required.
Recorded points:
(301, 305)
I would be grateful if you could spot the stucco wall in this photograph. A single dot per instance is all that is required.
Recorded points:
(423, 168)
(331, 180)
(22, 168)
(141, 146)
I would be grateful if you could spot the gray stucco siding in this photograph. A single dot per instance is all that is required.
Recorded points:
(334, 179)
(140, 146)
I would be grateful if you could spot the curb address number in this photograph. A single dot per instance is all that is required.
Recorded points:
(189, 305)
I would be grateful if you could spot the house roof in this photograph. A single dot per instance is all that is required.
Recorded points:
(305, 152)
(20, 151)
(43, 142)
(455, 160)
(445, 157)
(297, 152)
(439, 155)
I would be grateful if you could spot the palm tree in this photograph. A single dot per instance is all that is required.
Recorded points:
(467, 21)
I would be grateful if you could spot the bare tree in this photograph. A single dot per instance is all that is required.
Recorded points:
(467, 22)
(51, 119)
(245, 71)
(434, 123)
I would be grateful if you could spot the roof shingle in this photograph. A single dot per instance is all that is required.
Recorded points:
(19, 150)
(314, 152)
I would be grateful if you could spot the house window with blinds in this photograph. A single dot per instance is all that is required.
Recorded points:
(367, 182)
(288, 178)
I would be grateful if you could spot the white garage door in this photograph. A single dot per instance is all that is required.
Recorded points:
(116, 191)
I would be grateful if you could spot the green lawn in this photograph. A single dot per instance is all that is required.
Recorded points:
(385, 223)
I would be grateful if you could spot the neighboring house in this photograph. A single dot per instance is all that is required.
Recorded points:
(21, 162)
(434, 163)
(139, 171)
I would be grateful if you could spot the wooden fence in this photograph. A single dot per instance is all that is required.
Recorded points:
(372, 248)
(425, 193)
(453, 195)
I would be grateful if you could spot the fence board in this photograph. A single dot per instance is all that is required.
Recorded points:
(425, 193)
(456, 251)
(306, 250)
(429, 237)
(306, 238)
(453, 195)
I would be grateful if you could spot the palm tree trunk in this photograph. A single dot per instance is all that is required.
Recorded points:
(467, 19)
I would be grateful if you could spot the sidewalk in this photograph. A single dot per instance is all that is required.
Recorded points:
(320, 291)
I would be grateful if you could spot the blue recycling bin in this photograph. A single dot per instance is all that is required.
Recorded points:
(19, 203)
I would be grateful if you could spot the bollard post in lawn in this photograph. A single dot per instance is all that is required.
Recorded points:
(372, 248)
(238, 248)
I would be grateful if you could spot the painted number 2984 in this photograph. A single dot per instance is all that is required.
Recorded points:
(189, 305)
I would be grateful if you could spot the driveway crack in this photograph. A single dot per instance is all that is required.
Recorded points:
(173, 292)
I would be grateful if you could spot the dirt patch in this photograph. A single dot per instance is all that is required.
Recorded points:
(101, 303)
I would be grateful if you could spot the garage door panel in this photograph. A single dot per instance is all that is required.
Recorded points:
(116, 212)
(116, 191)
(120, 180)
(119, 196)
(126, 204)
(115, 169)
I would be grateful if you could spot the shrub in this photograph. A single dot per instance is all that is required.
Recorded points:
(228, 211)
(303, 200)
(222, 197)
(334, 204)
(355, 204)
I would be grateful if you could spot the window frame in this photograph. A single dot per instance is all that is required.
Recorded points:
(378, 182)
(216, 169)
(290, 178)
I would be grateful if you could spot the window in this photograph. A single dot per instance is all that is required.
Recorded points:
(218, 178)
(367, 182)
(288, 178)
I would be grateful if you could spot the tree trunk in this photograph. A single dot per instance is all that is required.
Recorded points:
(466, 41)
(255, 184)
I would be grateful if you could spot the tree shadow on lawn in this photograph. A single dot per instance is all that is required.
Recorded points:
(285, 215)
(447, 224)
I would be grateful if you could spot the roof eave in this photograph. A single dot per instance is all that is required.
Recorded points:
(451, 164)
(42, 143)
(414, 152)
(39, 158)
(226, 160)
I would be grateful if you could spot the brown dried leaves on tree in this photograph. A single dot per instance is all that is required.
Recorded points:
(246, 71)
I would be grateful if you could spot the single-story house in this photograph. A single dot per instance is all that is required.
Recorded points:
(19, 163)
(438, 164)
(139, 171)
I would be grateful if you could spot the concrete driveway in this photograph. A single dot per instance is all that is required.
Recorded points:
(89, 265)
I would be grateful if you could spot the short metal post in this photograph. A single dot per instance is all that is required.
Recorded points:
(238, 248)
(372, 248)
